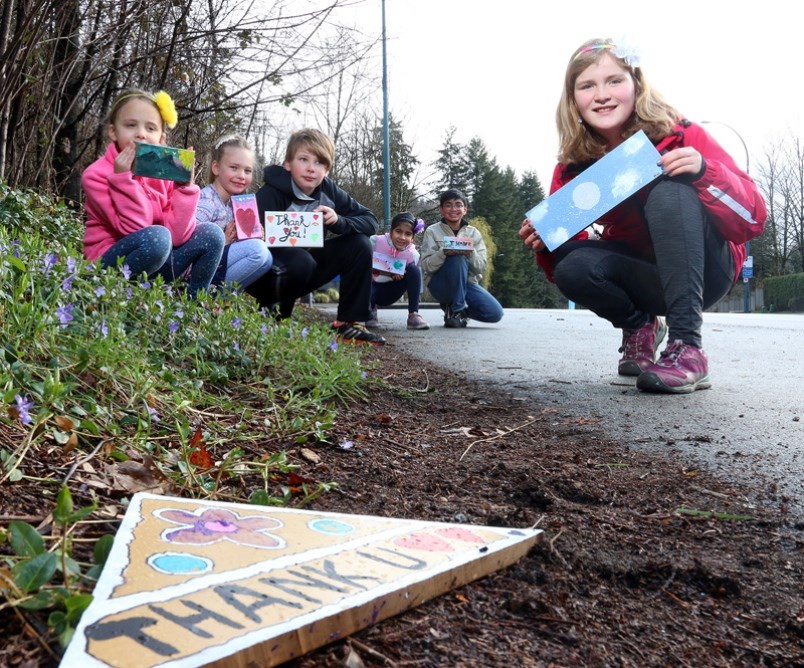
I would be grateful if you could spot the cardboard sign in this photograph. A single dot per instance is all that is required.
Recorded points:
(164, 162)
(247, 217)
(190, 583)
(459, 244)
(596, 191)
(387, 264)
(294, 228)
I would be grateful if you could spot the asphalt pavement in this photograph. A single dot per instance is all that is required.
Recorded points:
(748, 428)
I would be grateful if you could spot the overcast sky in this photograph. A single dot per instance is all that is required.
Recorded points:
(495, 69)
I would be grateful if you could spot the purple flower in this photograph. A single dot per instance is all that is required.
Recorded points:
(49, 262)
(236, 323)
(129, 294)
(419, 226)
(153, 414)
(100, 291)
(173, 327)
(305, 331)
(23, 406)
(364, 375)
(333, 346)
(236, 346)
(71, 265)
(264, 329)
(169, 290)
(64, 314)
(67, 283)
(145, 285)
(126, 271)
(179, 314)
(104, 329)
(346, 445)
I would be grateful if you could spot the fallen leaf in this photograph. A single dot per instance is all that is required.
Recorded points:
(310, 456)
(64, 423)
(133, 476)
(200, 456)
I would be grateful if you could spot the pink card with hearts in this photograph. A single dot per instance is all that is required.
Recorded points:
(247, 217)
(304, 229)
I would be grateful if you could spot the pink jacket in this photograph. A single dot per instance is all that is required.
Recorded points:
(118, 204)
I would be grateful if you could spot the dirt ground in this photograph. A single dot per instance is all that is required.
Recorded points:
(645, 562)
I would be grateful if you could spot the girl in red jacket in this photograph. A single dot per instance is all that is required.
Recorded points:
(149, 223)
(672, 249)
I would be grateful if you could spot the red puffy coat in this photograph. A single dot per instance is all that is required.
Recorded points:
(731, 199)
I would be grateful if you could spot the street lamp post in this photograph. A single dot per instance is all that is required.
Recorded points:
(746, 278)
(386, 147)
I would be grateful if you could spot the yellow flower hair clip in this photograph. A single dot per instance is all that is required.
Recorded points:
(167, 109)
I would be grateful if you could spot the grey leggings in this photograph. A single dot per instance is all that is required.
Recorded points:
(693, 270)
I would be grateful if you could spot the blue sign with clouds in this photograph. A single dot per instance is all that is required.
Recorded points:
(596, 191)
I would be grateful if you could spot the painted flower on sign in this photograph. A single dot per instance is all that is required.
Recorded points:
(212, 525)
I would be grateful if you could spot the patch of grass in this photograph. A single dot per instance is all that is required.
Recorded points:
(202, 397)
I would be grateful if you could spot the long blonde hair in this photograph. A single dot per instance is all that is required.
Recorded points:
(219, 148)
(578, 142)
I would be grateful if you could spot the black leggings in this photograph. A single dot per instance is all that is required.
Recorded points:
(693, 269)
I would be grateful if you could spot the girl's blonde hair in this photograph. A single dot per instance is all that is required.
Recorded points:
(578, 142)
(161, 101)
(216, 155)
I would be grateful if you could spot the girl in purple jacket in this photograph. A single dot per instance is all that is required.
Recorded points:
(147, 224)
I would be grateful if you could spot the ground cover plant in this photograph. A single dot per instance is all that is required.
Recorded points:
(645, 562)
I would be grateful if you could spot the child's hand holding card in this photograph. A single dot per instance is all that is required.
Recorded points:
(247, 217)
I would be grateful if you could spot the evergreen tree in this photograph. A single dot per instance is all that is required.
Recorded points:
(540, 292)
(452, 165)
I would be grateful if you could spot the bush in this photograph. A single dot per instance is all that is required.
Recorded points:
(785, 293)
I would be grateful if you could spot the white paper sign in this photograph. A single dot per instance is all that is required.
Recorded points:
(303, 229)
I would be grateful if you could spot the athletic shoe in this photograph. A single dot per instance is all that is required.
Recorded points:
(454, 319)
(373, 321)
(354, 332)
(680, 369)
(415, 321)
(639, 347)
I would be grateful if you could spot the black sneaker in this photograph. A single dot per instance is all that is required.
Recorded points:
(354, 332)
(455, 319)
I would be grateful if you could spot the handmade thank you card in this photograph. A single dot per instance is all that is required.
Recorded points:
(385, 264)
(464, 244)
(247, 217)
(164, 162)
(596, 191)
(294, 228)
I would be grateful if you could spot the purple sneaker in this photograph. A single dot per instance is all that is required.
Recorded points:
(639, 347)
(680, 369)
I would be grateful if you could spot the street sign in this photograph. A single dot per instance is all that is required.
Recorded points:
(748, 268)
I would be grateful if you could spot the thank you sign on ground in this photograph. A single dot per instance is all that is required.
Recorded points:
(195, 583)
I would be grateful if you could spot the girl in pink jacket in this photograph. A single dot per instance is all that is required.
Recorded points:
(149, 223)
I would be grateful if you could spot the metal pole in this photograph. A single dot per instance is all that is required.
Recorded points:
(746, 281)
(386, 144)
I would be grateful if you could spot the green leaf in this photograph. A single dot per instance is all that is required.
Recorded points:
(72, 566)
(81, 513)
(76, 605)
(32, 574)
(25, 540)
(260, 497)
(102, 549)
(66, 636)
(45, 598)
(64, 505)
